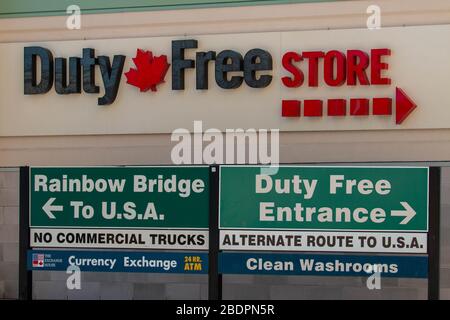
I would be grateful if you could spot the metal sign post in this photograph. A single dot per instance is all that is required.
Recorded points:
(215, 279)
(25, 276)
(433, 233)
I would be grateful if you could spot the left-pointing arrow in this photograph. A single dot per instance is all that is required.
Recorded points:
(49, 208)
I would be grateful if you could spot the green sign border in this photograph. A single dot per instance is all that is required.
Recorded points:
(329, 167)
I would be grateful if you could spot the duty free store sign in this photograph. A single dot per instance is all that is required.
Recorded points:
(294, 81)
(349, 209)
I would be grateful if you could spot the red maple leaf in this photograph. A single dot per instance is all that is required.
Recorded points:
(150, 70)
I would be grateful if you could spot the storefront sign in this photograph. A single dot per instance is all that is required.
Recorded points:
(295, 81)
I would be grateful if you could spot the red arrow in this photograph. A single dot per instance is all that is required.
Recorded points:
(403, 106)
(358, 107)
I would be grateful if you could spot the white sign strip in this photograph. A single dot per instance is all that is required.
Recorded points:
(119, 239)
(376, 242)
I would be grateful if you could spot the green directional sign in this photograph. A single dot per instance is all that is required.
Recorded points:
(120, 197)
(324, 198)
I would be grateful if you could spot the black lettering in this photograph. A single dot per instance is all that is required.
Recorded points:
(201, 240)
(88, 62)
(74, 85)
(228, 61)
(30, 82)
(202, 59)
(257, 60)
(179, 64)
(111, 77)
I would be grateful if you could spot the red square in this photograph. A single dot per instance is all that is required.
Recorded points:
(382, 106)
(290, 108)
(359, 107)
(337, 107)
(312, 108)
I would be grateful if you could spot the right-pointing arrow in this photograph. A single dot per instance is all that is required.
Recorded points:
(403, 105)
(408, 213)
(49, 208)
